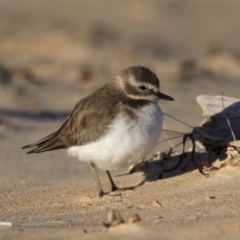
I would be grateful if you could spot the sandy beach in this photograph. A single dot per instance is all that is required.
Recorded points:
(51, 55)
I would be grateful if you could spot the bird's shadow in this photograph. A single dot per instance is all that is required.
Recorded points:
(157, 169)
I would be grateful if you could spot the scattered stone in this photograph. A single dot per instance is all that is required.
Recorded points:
(114, 219)
(156, 204)
(141, 207)
(210, 197)
(134, 218)
(6, 224)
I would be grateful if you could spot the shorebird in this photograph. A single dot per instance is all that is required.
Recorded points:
(113, 127)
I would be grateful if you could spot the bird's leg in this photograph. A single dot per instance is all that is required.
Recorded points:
(94, 171)
(113, 185)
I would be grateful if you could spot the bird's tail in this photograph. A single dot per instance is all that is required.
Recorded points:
(49, 143)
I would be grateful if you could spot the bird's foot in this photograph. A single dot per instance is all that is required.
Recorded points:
(115, 188)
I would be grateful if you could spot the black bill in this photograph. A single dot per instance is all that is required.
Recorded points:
(164, 96)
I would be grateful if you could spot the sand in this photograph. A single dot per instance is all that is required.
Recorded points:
(54, 54)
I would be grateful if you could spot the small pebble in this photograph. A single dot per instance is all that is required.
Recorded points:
(210, 197)
(8, 224)
(156, 204)
(134, 218)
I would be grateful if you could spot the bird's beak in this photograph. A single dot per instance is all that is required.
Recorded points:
(164, 96)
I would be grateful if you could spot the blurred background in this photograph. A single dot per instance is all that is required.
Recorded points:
(54, 52)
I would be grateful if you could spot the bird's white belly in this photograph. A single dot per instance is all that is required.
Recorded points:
(126, 142)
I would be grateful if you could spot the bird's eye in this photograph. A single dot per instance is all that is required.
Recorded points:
(142, 87)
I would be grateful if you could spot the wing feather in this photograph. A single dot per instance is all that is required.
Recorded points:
(87, 122)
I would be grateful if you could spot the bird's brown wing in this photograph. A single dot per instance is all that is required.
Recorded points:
(87, 122)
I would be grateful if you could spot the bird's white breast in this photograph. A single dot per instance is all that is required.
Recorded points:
(127, 140)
